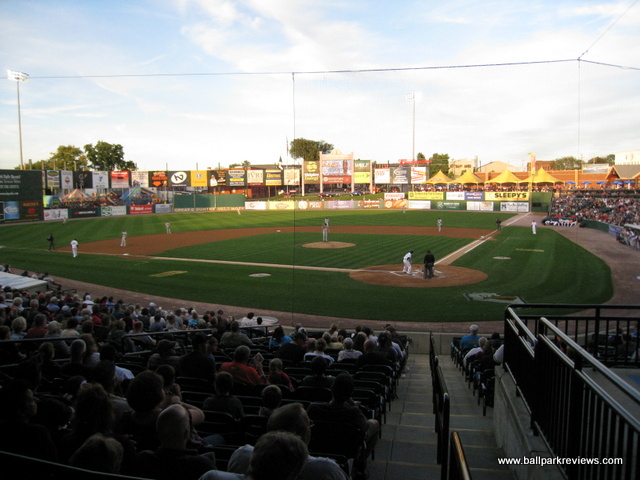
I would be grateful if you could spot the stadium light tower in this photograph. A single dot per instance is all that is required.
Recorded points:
(412, 97)
(19, 77)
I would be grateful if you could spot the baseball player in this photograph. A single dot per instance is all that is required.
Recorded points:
(74, 248)
(325, 230)
(123, 240)
(534, 227)
(407, 262)
(168, 227)
(439, 223)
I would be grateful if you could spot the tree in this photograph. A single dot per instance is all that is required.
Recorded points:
(420, 157)
(308, 150)
(68, 157)
(246, 164)
(439, 161)
(566, 163)
(107, 156)
(610, 159)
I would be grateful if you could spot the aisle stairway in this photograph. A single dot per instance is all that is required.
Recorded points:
(407, 449)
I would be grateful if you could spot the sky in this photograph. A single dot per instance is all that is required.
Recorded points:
(193, 84)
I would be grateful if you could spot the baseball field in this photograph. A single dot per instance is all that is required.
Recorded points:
(277, 261)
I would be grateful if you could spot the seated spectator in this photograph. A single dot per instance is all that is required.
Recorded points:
(348, 352)
(18, 434)
(75, 365)
(172, 390)
(141, 341)
(234, 338)
(475, 351)
(93, 413)
(110, 354)
(271, 399)
(243, 373)
(18, 328)
(371, 355)
(99, 453)
(278, 338)
(277, 376)
(165, 354)
(277, 455)
(385, 348)
(358, 341)
(318, 378)
(332, 341)
(92, 354)
(293, 351)
(104, 373)
(9, 352)
(39, 329)
(223, 401)
(294, 419)
(48, 368)
(173, 458)
(471, 340)
(71, 328)
(53, 332)
(342, 409)
(320, 348)
(197, 364)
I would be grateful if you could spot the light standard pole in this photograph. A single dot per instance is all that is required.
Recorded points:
(412, 97)
(19, 77)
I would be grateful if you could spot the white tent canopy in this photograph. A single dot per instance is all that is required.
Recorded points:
(19, 282)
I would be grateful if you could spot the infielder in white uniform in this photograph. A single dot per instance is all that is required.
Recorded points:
(407, 263)
(168, 227)
(123, 241)
(74, 247)
(534, 226)
(325, 230)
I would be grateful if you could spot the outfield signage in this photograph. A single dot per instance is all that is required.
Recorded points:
(455, 195)
(140, 209)
(84, 212)
(311, 173)
(426, 195)
(507, 196)
(418, 175)
(179, 178)
(282, 205)
(368, 204)
(445, 205)
(162, 208)
(419, 204)
(115, 211)
(474, 195)
(340, 204)
(514, 207)
(56, 214)
(140, 179)
(310, 205)
(235, 177)
(255, 205)
(480, 206)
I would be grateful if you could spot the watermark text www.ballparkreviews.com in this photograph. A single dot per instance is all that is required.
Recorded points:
(542, 461)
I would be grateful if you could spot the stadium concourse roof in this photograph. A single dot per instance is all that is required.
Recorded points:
(505, 177)
(468, 177)
(439, 178)
(541, 176)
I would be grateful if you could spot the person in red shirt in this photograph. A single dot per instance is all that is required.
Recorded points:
(243, 373)
(39, 329)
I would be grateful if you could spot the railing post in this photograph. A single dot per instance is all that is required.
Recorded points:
(574, 430)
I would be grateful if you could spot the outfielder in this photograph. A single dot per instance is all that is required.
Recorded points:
(168, 227)
(123, 241)
(74, 248)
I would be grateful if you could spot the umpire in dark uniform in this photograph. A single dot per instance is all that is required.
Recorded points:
(429, 262)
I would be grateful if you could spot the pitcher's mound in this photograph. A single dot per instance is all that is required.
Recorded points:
(329, 245)
(445, 276)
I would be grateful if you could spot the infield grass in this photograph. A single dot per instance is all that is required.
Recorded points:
(543, 268)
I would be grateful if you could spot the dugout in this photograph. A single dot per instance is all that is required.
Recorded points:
(18, 282)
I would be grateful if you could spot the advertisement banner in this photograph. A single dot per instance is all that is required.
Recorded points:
(199, 178)
(400, 175)
(311, 173)
(56, 214)
(382, 175)
(66, 181)
(100, 179)
(115, 211)
(419, 204)
(30, 211)
(179, 178)
(444, 205)
(336, 169)
(162, 208)
(395, 203)
(362, 171)
(235, 177)
(219, 177)
(159, 179)
(509, 196)
(53, 179)
(480, 206)
(291, 176)
(255, 177)
(282, 205)
(140, 209)
(310, 205)
(394, 196)
(82, 180)
(426, 195)
(255, 205)
(339, 204)
(120, 179)
(273, 178)
(418, 175)
(369, 204)
(84, 212)
(474, 195)
(21, 185)
(140, 179)
(455, 195)
(514, 207)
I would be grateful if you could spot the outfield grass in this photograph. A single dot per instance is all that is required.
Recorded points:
(545, 268)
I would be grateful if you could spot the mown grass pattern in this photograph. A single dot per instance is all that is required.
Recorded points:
(545, 268)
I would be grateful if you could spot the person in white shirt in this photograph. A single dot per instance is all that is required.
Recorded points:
(74, 248)
(407, 262)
